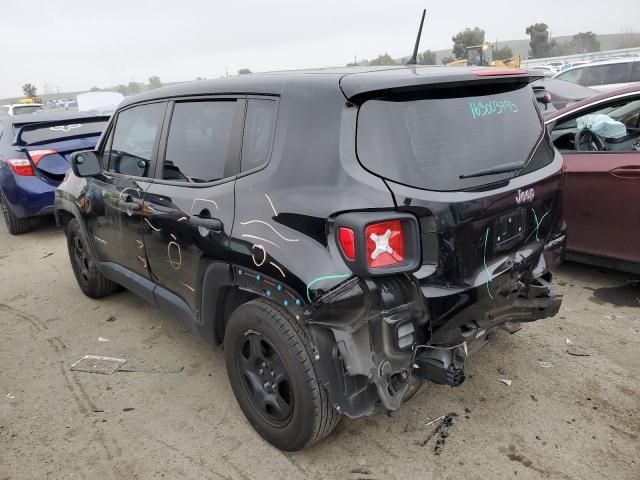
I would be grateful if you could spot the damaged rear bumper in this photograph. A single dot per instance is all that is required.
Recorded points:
(373, 335)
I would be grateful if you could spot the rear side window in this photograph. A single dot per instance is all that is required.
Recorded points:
(429, 142)
(607, 74)
(573, 76)
(200, 141)
(258, 132)
(134, 139)
(20, 110)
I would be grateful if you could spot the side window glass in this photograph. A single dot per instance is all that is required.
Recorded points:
(199, 143)
(635, 74)
(572, 76)
(258, 132)
(134, 138)
(607, 74)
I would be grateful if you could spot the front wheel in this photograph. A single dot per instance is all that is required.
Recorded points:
(92, 283)
(268, 357)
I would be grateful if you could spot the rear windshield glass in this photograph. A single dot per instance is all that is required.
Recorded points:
(27, 109)
(430, 141)
(53, 133)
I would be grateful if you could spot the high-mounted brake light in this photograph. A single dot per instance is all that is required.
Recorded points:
(20, 166)
(385, 244)
(494, 72)
(347, 239)
(36, 155)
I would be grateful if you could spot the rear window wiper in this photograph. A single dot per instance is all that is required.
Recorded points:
(504, 168)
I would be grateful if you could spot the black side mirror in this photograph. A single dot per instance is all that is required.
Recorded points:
(85, 164)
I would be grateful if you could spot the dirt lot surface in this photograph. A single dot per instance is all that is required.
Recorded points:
(563, 417)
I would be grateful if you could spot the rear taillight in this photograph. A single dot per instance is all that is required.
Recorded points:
(385, 244)
(36, 155)
(378, 243)
(20, 166)
(347, 239)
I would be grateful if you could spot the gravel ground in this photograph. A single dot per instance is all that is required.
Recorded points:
(563, 417)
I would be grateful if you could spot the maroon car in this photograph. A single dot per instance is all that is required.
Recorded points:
(600, 140)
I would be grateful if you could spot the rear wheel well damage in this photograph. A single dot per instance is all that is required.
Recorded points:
(63, 217)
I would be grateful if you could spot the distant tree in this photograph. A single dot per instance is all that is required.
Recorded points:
(447, 60)
(427, 58)
(561, 48)
(352, 64)
(244, 71)
(29, 90)
(122, 89)
(540, 45)
(95, 89)
(504, 53)
(133, 88)
(585, 42)
(154, 82)
(383, 60)
(467, 38)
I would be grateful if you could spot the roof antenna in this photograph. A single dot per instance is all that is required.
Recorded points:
(414, 58)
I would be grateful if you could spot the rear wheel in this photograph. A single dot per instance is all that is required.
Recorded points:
(15, 225)
(268, 358)
(91, 281)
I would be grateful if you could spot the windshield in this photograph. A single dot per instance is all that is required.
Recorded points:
(430, 142)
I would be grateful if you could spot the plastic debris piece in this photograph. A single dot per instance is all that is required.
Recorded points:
(505, 381)
(111, 319)
(97, 364)
(434, 421)
(533, 397)
(546, 364)
(568, 342)
(361, 471)
(10, 395)
(443, 432)
(102, 339)
(577, 351)
(139, 368)
(128, 409)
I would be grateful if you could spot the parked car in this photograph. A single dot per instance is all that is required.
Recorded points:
(557, 94)
(20, 108)
(600, 141)
(34, 153)
(543, 70)
(606, 75)
(344, 233)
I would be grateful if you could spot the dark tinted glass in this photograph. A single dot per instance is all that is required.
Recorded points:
(258, 132)
(134, 138)
(429, 142)
(635, 72)
(199, 142)
(607, 74)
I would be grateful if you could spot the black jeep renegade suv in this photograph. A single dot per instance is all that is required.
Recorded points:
(344, 234)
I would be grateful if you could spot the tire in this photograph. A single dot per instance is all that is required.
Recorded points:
(261, 335)
(15, 225)
(92, 283)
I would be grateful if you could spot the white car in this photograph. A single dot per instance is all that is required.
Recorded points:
(605, 75)
(20, 108)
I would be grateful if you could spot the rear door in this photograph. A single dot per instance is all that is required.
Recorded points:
(115, 221)
(189, 211)
(602, 190)
(605, 78)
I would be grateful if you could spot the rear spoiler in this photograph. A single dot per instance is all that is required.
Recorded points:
(66, 125)
(359, 87)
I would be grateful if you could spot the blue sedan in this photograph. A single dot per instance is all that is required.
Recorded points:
(34, 158)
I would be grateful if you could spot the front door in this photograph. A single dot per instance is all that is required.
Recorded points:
(116, 197)
(188, 212)
(601, 149)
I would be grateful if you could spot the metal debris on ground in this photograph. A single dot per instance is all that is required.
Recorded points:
(47, 255)
(505, 381)
(97, 364)
(441, 431)
(111, 319)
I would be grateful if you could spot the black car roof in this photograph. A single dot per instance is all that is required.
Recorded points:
(352, 80)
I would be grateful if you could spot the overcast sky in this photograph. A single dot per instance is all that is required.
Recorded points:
(77, 44)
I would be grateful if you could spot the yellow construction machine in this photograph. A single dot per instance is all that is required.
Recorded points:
(483, 55)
